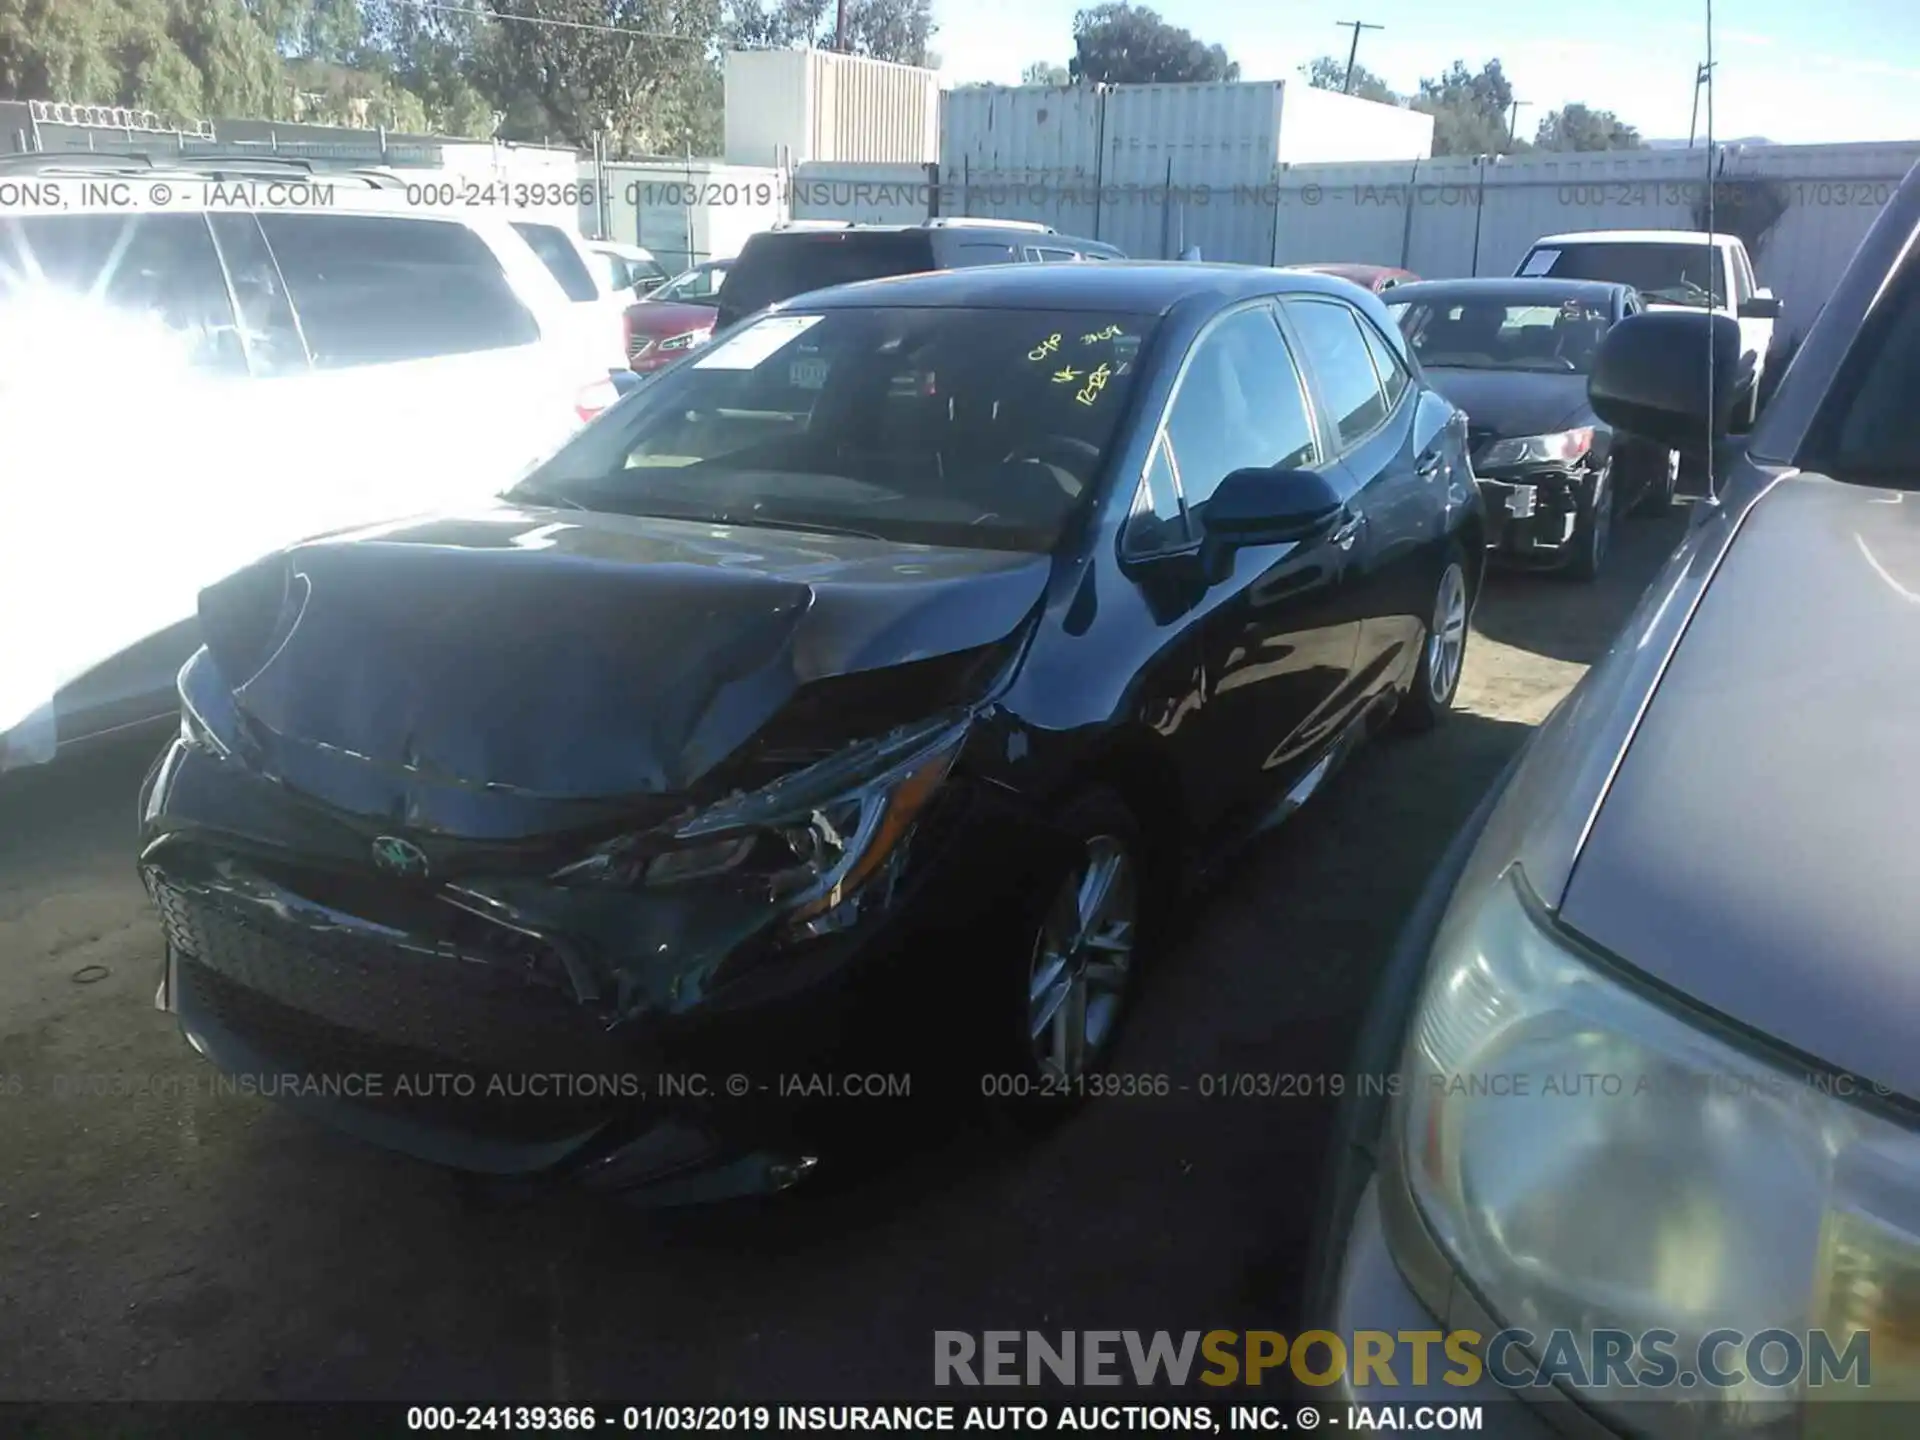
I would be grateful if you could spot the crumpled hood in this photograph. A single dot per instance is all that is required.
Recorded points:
(574, 656)
(1514, 403)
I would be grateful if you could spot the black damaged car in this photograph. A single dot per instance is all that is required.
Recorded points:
(867, 685)
(1515, 354)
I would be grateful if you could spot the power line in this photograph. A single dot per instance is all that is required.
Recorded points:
(584, 25)
(1346, 86)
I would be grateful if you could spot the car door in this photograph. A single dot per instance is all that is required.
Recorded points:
(1278, 639)
(1392, 440)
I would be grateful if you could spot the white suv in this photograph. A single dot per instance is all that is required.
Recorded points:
(194, 376)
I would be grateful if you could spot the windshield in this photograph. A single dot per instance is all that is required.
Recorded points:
(695, 287)
(776, 267)
(1664, 273)
(979, 428)
(1495, 334)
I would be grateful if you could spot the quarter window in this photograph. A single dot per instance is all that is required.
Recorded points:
(1158, 522)
(1393, 375)
(1338, 352)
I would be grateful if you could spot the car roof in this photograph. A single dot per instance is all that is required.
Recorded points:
(1516, 287)
(1637, 237)
(1136, 287)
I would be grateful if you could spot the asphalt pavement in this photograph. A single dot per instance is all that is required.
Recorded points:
(161, 1242)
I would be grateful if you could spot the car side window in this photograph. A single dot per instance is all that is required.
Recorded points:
(986, 252)
(267, 326)
(1743, 275)
(1393, 374)
(550, 243)
(376, 289)
(157, 270)
(1240, 406)
(1337, 350)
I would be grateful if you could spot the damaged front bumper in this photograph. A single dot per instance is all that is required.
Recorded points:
(1533, 517)
(671, 1045)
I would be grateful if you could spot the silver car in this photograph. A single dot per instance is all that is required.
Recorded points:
(1645, 1110)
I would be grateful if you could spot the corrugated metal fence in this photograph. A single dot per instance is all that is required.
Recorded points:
(1439, 218)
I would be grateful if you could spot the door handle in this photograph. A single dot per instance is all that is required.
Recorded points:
(1348, 530)
(1428, 465)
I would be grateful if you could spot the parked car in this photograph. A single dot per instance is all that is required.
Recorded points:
(676, 317)
(1694, 889)
(1674, 269)
(627, 270)
(902, 653)
(288, 371)
(599, 307)
(1377, 278)
(791, 260)
(1515, 356)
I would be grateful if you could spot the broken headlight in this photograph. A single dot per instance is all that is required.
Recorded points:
(808, 841)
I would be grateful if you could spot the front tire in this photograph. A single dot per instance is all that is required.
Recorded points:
(1443, 651)
(1073, 984)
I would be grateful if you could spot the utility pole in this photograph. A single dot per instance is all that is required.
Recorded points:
(1513, 121)
(1701, 76)
(1346, 86)
(840, 26)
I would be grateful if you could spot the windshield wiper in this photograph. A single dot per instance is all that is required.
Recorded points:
(818, 527)
(545, 495)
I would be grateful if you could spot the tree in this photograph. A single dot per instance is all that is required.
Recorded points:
(897, 30)
(1471, 110)
(1122, 44)
(1045, 72)
(1575, 127)
(634, 80)
(1328, 73)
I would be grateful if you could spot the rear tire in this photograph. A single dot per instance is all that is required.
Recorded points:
(1443, 648)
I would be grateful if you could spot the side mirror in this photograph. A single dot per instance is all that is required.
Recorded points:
(1650, 377)
(1270, 507)
(1760, 307)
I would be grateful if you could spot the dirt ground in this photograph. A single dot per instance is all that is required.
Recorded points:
(158, 1242)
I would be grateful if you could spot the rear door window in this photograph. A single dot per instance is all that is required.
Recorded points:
(376, 289)
(158, 276)
(1337, 351)
(562, 258)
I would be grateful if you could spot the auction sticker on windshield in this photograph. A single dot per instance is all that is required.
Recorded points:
(752, 346)
(1540, 262)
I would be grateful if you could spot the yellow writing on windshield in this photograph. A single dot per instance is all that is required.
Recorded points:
(1096, 382)
(1112, 332)
(1045, 348)
(1066, 376)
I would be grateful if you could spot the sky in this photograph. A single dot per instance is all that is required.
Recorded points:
(1794, 72)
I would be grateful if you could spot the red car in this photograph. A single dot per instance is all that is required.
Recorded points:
(675, 318)
(1368, 277)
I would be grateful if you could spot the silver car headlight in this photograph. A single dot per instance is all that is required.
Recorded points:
(1588, 1159)
(812, 842)
(1563, 447)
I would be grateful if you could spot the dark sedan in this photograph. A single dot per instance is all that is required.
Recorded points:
(865, 686)
(1515, 354)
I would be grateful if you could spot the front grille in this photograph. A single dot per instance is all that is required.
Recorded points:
(396, 1080)
(500, 1013)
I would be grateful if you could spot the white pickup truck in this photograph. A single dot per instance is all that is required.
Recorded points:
(1672, 270)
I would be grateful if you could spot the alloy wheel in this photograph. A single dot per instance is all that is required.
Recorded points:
(1082, 961)
(1447, 637)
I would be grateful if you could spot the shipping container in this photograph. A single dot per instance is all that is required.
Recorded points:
(1153, 169)
(788, 107)
(684, 212)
